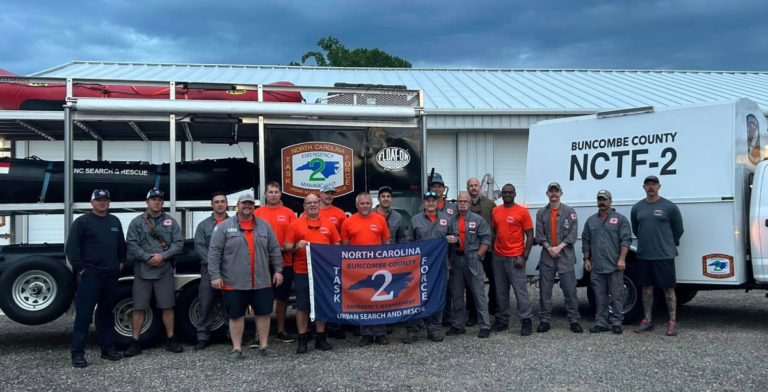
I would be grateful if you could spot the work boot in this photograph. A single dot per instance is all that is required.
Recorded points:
(337, 334)
(111, 355)
(455, 331)
(471, 322)
(616, 329)
(576, 328)
(381, 340)
(235, 355)
(367, 340)
(302, 348)
(410, 337)
(435, 337)
(133, 350)
(527, 328)
(321, 343)
(645, 326)
(672, 328)
(598, 329)
(267, 352)
(79, 360)
(172, 346)
(499, 327)
(285, 337)
(543, 327)
(484, 333)
(201, 345)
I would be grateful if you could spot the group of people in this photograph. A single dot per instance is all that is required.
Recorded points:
(254, 257)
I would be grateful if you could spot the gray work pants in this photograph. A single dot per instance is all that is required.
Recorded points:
(613, 284)
(374, 330)
(434, 322)
(567, 284)
(458, 278)
(206, 295)
(505, 274)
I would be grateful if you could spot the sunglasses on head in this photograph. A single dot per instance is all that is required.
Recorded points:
(430, 194)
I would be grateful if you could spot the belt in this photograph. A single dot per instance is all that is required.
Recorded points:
(459, 253)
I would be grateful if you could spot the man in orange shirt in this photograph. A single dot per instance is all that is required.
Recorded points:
(367, 228)
(337, 216)
(279, 218)
(311, 227)
(511, 222)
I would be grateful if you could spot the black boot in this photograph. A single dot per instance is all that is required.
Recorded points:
(133, 350)
(321, 343)
(302, 348)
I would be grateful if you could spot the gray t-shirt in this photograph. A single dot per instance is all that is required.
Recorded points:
(658, 227)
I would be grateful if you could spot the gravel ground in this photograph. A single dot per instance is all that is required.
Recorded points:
(721, 346)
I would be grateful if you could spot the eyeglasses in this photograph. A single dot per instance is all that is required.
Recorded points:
(312, 227)
(430, 194)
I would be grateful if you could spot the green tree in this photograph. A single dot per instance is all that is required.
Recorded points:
(337, 55)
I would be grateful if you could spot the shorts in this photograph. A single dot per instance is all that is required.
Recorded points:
(658, 273)
(283, 292)
(164, 289)
(236, 302)
(302, 291)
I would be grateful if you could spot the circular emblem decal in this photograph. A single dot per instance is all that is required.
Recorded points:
(393, 158)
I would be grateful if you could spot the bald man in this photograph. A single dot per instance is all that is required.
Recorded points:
(482, 206)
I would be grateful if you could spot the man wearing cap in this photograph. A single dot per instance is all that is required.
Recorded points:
(557, 228)
(238, 260)
(310, 228)
(438, 186)
(658, 225)
(467, 269)
(337, 217)
(153, 239)
(482, 206)
(206, 294)
(431, 224)
(513, 230)
(367, 228)
(394, 220)
(605, 242)
(279, 218)
(96, 250)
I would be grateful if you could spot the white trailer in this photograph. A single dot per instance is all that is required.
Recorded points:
(708, 159)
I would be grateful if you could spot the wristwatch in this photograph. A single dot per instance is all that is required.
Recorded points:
(525, 257)
(585, 258)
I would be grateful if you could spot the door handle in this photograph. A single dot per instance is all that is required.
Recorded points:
(766, 223)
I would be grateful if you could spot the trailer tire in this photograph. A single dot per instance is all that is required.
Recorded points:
(123, 313)
(633, 297)
(188, 314)
(36, 290)
(685, 295)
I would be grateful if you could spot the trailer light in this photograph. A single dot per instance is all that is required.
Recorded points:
(736, 232)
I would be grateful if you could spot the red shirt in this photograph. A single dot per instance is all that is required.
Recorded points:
(370, 230)
(462, 230)
(510, 224)
(321, 231)
(335, 215)
(279, 218)
(553, 221)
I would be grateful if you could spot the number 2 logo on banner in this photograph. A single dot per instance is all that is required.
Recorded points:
(387, 280)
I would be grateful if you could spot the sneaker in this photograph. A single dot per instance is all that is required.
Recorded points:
(484, 333)
(471, 323)
(302, 347)
(616, 329)
(455, 331)
(267, 352)
(527, 328)
(645, 326)
(543, 327)
(435, 337)
(576, 328)
(598, 329)
(499, 327)
(337, 334)
(671, 328)
(410, 337)
(321, 343)
(285, 337)
(367, 340)
(133, 350)
(390, 330)
(201, 345)
(172, 346)
(111, 355)
(255, 343)
(79, 361)
(381, 340)
(235, 355)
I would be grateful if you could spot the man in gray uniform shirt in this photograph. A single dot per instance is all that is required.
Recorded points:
(605, 242)
(658, 225)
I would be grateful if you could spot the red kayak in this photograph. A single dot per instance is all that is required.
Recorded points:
(51, 96)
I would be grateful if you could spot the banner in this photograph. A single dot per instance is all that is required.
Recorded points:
(378, 284)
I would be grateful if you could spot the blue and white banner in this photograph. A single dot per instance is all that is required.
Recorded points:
(378, 284)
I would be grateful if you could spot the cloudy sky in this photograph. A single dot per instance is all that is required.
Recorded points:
(664, 34)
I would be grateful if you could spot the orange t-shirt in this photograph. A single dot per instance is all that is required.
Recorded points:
(510, 224)
(431, 217)
(370, 230)
(248, 227)
(440, 205)
(279, 218)
(335, 215)
(462, 233)
(321, 231)
(220, 220)
(553, 221)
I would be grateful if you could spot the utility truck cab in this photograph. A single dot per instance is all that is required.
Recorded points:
(709, 161)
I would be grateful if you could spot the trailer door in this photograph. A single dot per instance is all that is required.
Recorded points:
(758, 217)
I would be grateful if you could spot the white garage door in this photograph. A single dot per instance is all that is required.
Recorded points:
(510, 153)
(441, 154)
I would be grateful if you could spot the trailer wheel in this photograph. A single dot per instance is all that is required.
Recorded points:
(633, 297)
(36, 290)
(188, 314)
(685, 295)
(123, 313)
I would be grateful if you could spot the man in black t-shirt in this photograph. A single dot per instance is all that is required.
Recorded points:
(96, 250)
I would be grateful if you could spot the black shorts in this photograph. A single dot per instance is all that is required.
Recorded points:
(283, 292)
(658, 273)
(302, 291)
(236, 302)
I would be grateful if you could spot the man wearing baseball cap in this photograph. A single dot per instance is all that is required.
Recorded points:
(438, 186)
(96, 250)
(557, 228)
(605, 242)
(658, 225)
(153, 239)
(337, 216)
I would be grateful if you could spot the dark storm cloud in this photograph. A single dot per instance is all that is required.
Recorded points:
(679, 34)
